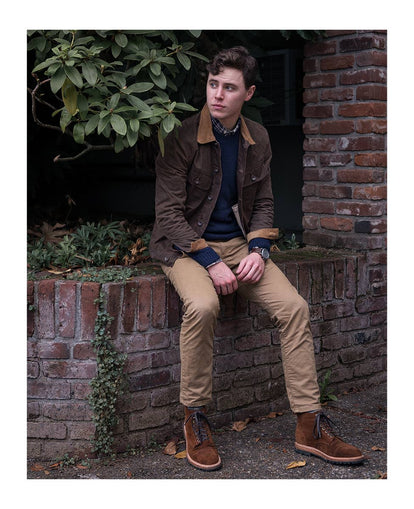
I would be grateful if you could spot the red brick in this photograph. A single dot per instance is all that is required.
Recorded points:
(372, 58)
(310, 96)
(373, 92)
(337, 223)
(309, 190)
(310, 64)
(322, 80)
(337, 62)
(129, 306)
(113, 306)
(318, 206)
(319, 144)
(370, 193)
(52, 350)
(46, 309)
(354, 323)
(339, 267)
(371, 125)
(337, 127)
(378, 159)
(83, 351)
(337, 94)
(310, 222)
(159, 301)
(144, 304)
(335, 191)
(310, 127)
(89, 309)
(361, 43)
(369, 109)
(56, 430)
(335, 159)
(320, 48)
(69, 369)
(67, 308)
(363, 76)
(372, 142)
(317, 174)
(359, 209)
(318, 111)
(48, 389)
(360, 176)
(337, 309)
(304, 281)
(366, 304)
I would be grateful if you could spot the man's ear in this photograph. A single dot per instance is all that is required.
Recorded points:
(250, 92)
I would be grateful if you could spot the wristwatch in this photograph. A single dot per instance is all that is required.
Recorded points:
(263, 252)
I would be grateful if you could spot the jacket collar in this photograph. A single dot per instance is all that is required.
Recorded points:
(205, 129)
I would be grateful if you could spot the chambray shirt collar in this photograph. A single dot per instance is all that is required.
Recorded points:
(219, 127)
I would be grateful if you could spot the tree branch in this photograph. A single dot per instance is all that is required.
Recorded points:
(89, 148)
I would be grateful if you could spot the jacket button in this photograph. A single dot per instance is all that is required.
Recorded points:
(199, 223)
(197, 180)
(253, 178)
(215, 170)
(209, 197)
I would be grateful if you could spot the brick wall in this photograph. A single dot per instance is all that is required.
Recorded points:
(348, 323)
(344, 195)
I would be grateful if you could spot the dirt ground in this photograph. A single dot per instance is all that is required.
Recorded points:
(263, 449)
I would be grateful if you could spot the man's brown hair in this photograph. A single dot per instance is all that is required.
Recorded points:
(237, 58)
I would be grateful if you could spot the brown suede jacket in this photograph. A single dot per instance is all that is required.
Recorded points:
(188, 180)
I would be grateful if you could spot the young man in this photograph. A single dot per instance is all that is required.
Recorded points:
(212, 234)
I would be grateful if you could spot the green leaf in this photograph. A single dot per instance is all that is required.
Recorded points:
(160, 81)
(121, 40)
(79, 133)
(90, 72)
(184, 60)
(70, 96)
(91, 124)
(65, 119)
(74, 75)
(195, 33)
(167, 123)
(185, 107)
(118, 124)
(114, 100)
(138, 103)
(57, 80)
(155, 68)
(103, 123)
(83, 106)
(132, 137)
(139, 88)
(134, 124)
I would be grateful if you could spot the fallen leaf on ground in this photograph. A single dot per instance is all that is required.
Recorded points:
(82, 467)
(180, 455)
(375, 448)
(171, 447)
(37, 467)
(296, 464)
(240, 425)
(272, 415)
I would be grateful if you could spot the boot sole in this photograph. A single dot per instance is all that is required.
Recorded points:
(200, 466)
(311, 451)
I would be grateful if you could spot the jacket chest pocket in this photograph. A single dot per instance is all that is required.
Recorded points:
(198, 179)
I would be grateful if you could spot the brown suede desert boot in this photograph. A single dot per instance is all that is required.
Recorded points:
(314, 436)
(200, 448)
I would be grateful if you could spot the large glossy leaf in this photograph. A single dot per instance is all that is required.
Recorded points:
(74, 75)
(70, 96)
(139, 88)
(90, 73)
(79, 132)
(57, 80)
(118, 124)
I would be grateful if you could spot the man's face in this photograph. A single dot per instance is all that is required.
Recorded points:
(226, 94)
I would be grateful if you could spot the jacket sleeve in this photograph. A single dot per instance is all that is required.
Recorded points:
(171, 194)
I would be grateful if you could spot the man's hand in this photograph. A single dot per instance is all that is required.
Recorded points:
(251, 268)
(224, 280)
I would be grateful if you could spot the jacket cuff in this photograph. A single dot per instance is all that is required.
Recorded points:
(266, 233)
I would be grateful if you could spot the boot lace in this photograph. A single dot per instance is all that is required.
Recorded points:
(200, 425)
(323, 423)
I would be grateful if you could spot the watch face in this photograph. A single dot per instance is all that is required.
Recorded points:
(265, 254)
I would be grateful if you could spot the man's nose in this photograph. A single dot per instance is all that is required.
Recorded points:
(219, 92)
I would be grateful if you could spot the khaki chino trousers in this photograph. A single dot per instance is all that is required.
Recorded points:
(274, 293)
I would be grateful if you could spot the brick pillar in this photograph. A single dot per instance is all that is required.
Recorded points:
(344, 192)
